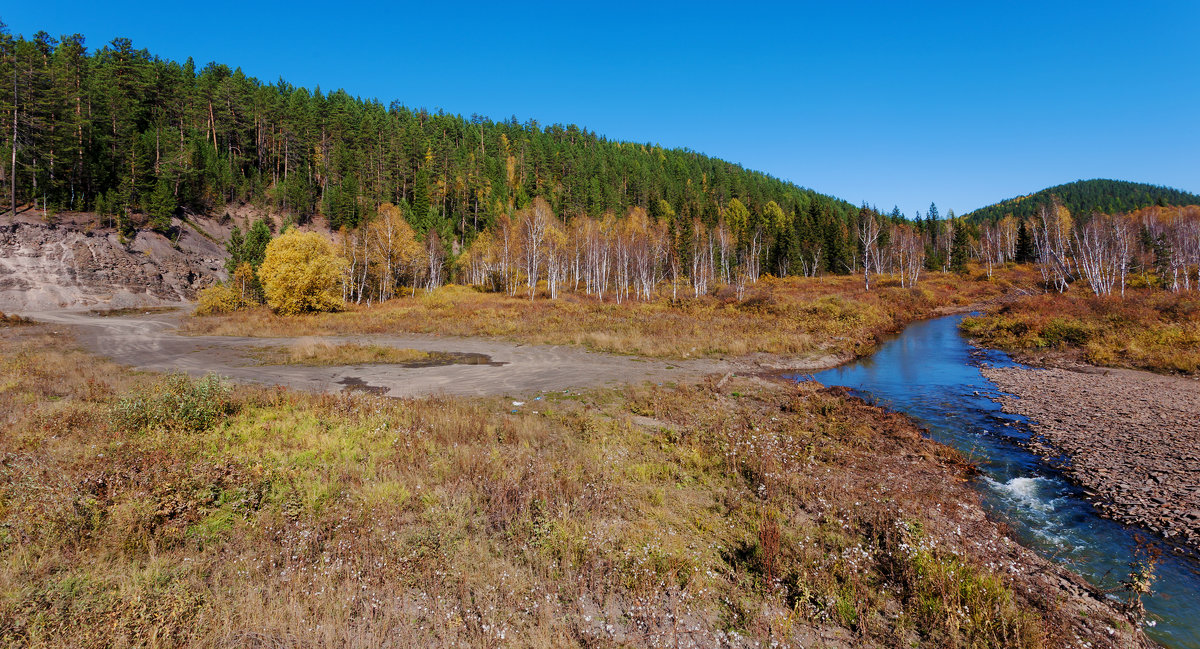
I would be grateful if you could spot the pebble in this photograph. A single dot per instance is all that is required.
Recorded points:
(1129, 436)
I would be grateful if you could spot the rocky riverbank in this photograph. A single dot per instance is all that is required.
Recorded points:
(1130, 438)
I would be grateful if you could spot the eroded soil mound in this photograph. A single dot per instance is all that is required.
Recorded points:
(71, 263)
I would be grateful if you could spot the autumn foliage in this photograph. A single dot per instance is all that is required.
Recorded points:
(301, 273)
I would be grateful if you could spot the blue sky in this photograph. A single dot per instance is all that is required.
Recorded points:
(890, 103)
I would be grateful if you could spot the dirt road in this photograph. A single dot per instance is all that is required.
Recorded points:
(149, 342)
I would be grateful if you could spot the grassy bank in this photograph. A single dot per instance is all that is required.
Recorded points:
(141, 510)
(782, 316)
(1151, 330)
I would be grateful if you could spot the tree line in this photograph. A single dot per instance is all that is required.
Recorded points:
(648, 254)
(136, 139)
(639, 255)
(1086, 197)
(1156, 247)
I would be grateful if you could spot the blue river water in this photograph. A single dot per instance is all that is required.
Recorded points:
(932, 374)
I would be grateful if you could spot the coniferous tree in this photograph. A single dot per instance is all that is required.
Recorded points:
(960, 244)
(133, 137)
(255, 247)
(1025, 252)
(932, 224)
(235, 247)
(161, 207)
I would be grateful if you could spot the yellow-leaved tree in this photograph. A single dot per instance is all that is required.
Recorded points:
(301, 273)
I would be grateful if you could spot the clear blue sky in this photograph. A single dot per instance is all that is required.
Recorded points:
(956, 102)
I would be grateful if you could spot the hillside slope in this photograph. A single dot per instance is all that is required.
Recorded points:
(1085, 197)
(158, 135)
(72, 263)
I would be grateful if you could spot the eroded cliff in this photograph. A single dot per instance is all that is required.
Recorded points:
(72, 263)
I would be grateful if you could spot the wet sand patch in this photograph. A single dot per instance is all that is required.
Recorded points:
(356, 384)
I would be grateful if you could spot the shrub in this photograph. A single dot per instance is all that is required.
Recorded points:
(301, 273)
(218, 299)
(1061, 331)
(13, 320)
(177, 403)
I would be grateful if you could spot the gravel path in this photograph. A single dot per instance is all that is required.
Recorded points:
(1132, 439)
(149, 342)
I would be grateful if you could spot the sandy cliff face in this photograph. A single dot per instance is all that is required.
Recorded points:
(73, 264)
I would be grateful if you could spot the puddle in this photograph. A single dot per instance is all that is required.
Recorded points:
(355, 384)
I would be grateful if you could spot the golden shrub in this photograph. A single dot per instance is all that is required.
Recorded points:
(218, 299)
(301, 273)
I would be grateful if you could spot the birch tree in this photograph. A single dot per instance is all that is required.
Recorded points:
(868, 238)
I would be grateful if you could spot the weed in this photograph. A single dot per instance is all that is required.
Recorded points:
(176, 403)
(202, 514)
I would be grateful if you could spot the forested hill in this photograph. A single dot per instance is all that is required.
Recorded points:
(124, 133)
(1086, 197)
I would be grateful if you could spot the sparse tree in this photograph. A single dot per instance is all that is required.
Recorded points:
(868, 239)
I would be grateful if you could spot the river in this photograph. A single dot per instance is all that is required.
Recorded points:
(932, 374)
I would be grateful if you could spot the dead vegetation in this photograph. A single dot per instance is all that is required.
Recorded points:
(140, 510)
(133, 310)
(792, 316)
(1146, 329)
(13, 320)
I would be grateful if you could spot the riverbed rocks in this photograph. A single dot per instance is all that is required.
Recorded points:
(1131, 439)
(68, 262)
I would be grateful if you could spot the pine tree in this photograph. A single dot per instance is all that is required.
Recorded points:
(162, 207)
(960, 244)
(932, 224)
(255, 247)
(235, 247)
(1025, 252)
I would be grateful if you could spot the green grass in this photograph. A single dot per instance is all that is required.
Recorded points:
(337, 520)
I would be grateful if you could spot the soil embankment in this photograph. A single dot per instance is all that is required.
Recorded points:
(71, 263)
(1132, 439)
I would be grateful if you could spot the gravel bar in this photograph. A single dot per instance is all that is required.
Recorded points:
(1130, 438)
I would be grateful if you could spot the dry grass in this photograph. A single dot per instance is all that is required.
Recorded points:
(1147, 329)
(249, 517)
(322, 353)
(793, 316)
(13, 320)
(133, 310)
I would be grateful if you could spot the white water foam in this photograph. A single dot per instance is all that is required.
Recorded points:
(1024, 491)
(1024, 494)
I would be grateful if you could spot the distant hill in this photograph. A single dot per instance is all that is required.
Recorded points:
(1087, 196)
